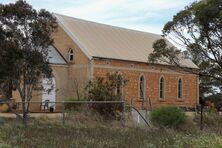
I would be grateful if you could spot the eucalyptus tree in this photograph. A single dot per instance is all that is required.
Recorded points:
(198, 30)
(25, 37)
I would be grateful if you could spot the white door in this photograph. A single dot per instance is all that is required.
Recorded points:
(49, 95)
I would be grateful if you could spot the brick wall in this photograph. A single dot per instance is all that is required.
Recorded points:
(152, 73)
(78, 71)
(65, 75)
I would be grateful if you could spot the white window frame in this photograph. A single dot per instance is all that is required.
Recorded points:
(178, 81)
(163, 91)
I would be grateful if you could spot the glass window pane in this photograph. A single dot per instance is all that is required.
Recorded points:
(142, 87)
(162, 88)
(180, 88)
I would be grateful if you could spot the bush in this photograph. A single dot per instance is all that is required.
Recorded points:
(107, 89)
(168, 116)
(73, 106)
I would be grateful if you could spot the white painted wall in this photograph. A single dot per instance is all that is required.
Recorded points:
(46, 95)
(54, 56)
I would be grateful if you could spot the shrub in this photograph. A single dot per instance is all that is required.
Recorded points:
(106, 89)
(73, 106)
(168, 116)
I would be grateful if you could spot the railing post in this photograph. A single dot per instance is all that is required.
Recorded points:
(143, 104)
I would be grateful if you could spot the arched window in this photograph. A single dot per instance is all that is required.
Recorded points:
(161, 88)
(119, 85)
(71, 55)
(142, 87)
(180, 89)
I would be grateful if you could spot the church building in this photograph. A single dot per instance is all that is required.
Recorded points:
(84, 50)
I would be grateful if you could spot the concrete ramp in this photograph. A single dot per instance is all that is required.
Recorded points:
(139, 116)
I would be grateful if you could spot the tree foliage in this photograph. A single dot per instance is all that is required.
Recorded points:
(198, 29)
(24, 40)
(217, 100)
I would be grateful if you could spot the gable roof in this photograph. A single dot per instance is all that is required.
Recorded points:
(105, 41)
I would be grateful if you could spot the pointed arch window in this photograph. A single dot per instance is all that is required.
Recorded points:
(119, 85)
(71, 55)
(142, 87)
(180, 89)
(162, 87)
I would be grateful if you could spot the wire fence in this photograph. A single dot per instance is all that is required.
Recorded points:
(82, 111)
(72, 112)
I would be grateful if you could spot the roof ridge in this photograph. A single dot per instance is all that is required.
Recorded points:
(108, 25)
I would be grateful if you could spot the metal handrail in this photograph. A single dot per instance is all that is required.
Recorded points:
(140, 115)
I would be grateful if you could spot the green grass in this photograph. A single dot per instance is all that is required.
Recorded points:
(45, 133)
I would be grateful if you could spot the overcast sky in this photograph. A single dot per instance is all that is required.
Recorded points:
(144, 15)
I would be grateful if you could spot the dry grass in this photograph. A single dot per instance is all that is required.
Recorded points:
(47, 133)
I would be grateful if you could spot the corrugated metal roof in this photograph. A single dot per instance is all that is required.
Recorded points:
(105, 41)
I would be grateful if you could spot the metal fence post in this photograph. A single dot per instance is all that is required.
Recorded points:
(202, 102)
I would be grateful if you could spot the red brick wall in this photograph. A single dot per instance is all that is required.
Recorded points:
(152, 73)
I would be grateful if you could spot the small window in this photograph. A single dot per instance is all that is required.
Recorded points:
(71, 55)
(142, 87)
(180, 85)
(161, 88)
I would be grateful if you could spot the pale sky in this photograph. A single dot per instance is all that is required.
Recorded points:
(144, 15)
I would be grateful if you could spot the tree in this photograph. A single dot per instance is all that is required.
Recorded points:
(24, 41)
(198, 29)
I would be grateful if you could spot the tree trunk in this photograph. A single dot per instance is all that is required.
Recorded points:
(24, 113)
(24, 118)
(9, 91)
(26, 103)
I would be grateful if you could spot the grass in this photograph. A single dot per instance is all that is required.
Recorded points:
(47, 133)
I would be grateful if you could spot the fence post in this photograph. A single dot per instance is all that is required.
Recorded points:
(123, 113)
(63, 113)
(202, 102)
